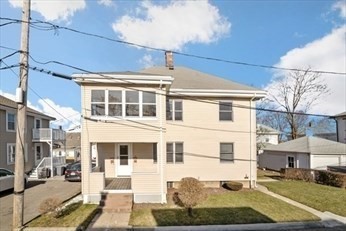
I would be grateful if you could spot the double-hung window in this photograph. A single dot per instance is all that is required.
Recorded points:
(98, 102)
(175, 152)
(132, 103)
(149, 104)
(11, 153)
(174, 109)
(225, 110)
(11, 121)
(38, 123)
(115, 103)
(226, 152)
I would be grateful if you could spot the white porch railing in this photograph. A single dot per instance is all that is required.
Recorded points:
(46, 162)
(48, 134)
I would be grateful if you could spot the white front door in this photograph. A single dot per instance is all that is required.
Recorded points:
(124, 166)
(38, 153)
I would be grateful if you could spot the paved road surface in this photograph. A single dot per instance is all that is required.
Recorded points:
(36, 192)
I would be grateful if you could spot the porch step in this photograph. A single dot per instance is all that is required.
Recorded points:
(116, 202)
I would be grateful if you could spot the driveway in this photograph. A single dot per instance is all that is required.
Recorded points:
(36, 192)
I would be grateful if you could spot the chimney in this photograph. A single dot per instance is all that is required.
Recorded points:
(169, 60)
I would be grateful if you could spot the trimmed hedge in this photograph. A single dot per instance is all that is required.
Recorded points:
(318, 176)
(234, 186)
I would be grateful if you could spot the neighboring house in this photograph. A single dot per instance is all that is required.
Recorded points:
(35, 148)
(266, 136)
(154, 127)
(327, 135)
(72, 149)
(341, 126)
(305, 152)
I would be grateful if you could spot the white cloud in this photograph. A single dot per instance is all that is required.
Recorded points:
(328, 54)
(54, 10)
(66, 117)
(147, 61)
(106, 3)
(174, 25)
(341, 6)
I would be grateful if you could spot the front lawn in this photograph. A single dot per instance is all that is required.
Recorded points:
(226, 207)
(320, 197)
(267, 174)
(74, 215)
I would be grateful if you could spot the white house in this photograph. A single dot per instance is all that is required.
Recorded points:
(341, 127)
(305, 152)
(266, 136)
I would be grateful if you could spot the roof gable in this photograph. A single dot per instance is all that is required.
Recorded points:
(12, 104)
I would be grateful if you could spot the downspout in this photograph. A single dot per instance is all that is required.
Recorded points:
(251, 140)
(161, 145)
(51, 153)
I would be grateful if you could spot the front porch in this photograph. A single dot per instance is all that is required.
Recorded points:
(117, 184)
(124, 168)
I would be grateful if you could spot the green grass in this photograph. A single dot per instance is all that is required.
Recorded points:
(74, 215)
(267, 174)
(320, 197)
(242, 207)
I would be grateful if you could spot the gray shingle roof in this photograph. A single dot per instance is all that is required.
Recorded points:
(341, 115)
(10, 103)
(186, 78)
(312, 145)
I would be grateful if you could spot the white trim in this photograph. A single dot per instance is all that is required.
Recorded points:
(15, 121)
(122, 78)
(130, 157)
(208, 92)
(35, 122)
(41, 148)
(7, 153)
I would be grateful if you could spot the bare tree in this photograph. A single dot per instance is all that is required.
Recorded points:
(296, 93)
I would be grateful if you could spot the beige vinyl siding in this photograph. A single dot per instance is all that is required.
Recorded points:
(202, 132)
(138, 132)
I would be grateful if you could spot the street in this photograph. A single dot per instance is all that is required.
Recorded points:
(36, 192)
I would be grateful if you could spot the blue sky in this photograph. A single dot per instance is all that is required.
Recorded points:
(293, 34)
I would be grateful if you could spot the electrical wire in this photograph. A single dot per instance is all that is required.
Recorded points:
(57, 27)
(43, 99)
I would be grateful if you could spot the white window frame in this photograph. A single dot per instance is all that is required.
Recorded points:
(174, 152)
(8, 157)
(35, 123)
(174, 110)
(124, 103)
(15, 122)
(224, 160)
(228, 111)
(288, 161)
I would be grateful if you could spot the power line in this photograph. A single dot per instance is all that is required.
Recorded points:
(57, 27)
(42, 98)
(180, 94)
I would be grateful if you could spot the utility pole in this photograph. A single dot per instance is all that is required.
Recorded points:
(21, 98)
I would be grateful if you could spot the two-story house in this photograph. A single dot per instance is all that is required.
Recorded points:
(35, 150)
(149, 129)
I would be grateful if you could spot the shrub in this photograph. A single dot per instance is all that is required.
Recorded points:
(298, 174)
(234, 186)
(51, 205)
(190, 193)
(331, 178)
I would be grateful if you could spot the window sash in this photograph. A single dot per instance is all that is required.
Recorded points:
(175, 152)
(155, 152)
(11, 153)
(226, 152)
(225, 110)
(174, 109)
(11, 121)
